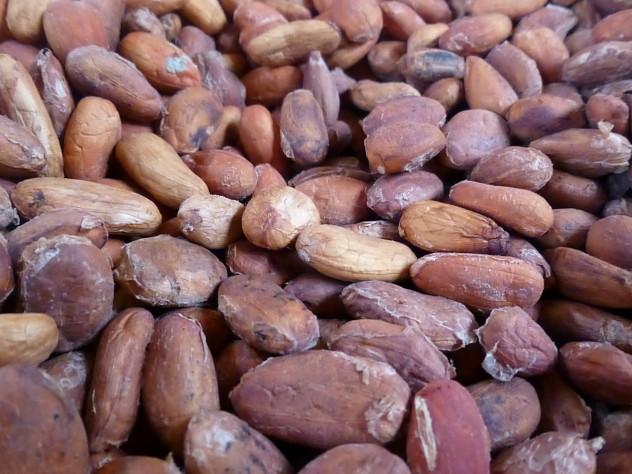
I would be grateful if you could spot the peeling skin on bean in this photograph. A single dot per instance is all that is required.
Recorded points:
(425, 433)
(480, 280)
(566, 452)
(266, 316)
(369, 398)
(515, 344)
(357, 457)
(412, 354)
(447, 323)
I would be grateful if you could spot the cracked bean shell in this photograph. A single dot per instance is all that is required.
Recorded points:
(403, 146)
(93, 130)
(515, 344)
(587, 152)
(265, 316)
(518, 167)
(481, 281)
(221, 442)
(365, 458)
(345, 399)
(167, 271)
(93, 70)
(554, 451)
(50, 79)
(476, 34)
(414, 109)
(21, 153)
(138, 465)
(340, 199)
(164, 65)
(112, 401)
(70, 279)
(190, 117)
(211, 221)
(71, 372)
(447, 323)
(178, 378)
(415, 358)
(43, 429)
(225, 172)
(53, 223)
(304, 137)
(390, 195)
(446, 431)
(275, 217)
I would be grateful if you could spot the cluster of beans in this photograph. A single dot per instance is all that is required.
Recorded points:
(315, 236)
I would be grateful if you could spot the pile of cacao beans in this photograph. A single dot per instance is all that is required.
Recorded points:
(315, 236)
